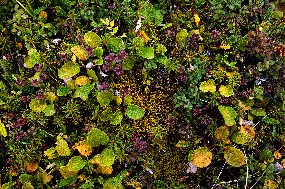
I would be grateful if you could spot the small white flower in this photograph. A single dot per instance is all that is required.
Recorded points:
(139, 24)
(56, 41)
(103, 74)
(4, 58)
(89, 65)
(191, 68)
(48, 47)
(191, 168)
(246, 122)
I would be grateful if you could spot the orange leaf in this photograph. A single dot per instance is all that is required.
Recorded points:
(31, 166)
(143, 35)
(83, 148)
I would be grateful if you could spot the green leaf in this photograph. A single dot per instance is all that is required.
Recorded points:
(3, 130)
(234, 157)
(229, 114)
(183, 144)
(68, 70)
(62, 147)
(92, 39)
(26, 178)
(181, 37)
(63, 90)
(106, 158)
(106, 115)
(146, 52)
(117, 118)
(138, 42)
(50, 153)
(98, 52)
(76, 163)
(128, 100)
(27, 185)
(161, 49)
(208, 86)
(49, 111)
(99, 61)
(115, 45)
(83, 91)
(134, 112)
(239, 138)
(104, 98)
(129, 62)
(37, 105)
(258, 112)
(67, 181)
(158, 18)
(43, 176)
(258, 92)
(33, 58)
(92, 74)
(96, 137)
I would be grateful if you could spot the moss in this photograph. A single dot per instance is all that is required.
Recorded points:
(168, 164)
(157, 105)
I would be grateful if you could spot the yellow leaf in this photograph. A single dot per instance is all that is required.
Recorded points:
(225, 46)
(51, 96)
(226, 90)
(79, 52)
(197, 19)
(118, 100)
(105, 170)
(112, 23)
(3, 130)
(82, 80)
(208, 86)
(106, 21)
(43, 14)
(65, 172)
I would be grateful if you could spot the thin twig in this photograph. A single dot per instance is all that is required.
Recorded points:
(246, 170)
(263, 118)
(258, 179)
(218, 175)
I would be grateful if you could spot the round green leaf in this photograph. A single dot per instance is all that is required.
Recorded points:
(104, 98)
(68, 70)
(117, 118)
(75, 163)
(92, 39)
(96, 137)
(146, 52)
(83, 91)
(234, 157)
(229, 114)
(106, 158)
(37, 105)
(134, 112)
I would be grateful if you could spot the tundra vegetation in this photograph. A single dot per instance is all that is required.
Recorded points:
(142, 94)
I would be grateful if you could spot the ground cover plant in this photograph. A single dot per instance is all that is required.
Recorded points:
(142, 94)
